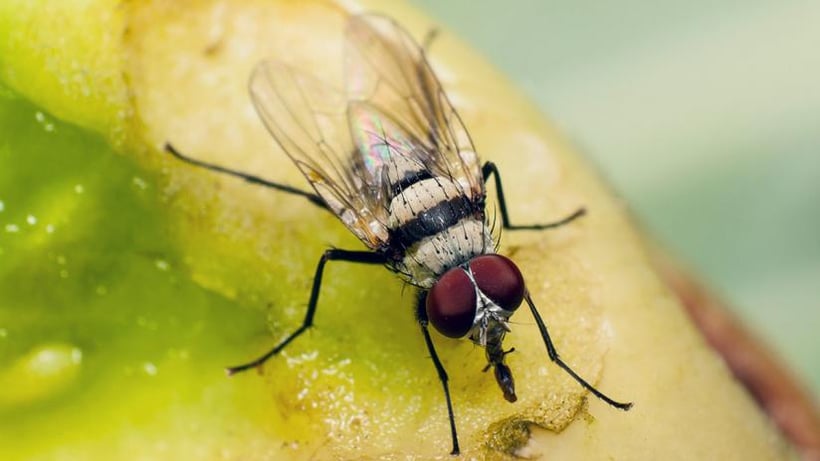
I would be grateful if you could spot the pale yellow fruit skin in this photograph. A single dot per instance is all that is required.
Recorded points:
(181, 68)
(67, 56)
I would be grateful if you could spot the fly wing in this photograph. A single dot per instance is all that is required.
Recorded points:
(309, 121)
(386, 69)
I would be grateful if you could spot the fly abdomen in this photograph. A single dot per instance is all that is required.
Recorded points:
(410, 178)
(436, 227)
(425, 208)
(433, 220)
(425, 261)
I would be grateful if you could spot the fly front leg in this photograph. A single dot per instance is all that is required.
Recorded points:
(442, 376)
(363, 257)
(552, 352)
(421, 315)
(489, 169)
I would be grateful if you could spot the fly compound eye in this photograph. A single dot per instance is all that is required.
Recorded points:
(451, 303)
(499, 278)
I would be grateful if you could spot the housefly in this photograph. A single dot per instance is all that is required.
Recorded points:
(391, 159)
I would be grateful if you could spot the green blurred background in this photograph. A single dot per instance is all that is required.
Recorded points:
(705, 116)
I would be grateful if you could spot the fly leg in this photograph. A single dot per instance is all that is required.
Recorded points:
(553, 355)
(363, 257)
(313, 198)
(421, 315)
(489, 169)
(429, 38)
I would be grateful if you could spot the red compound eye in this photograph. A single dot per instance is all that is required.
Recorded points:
(451, 303)
(499, 278)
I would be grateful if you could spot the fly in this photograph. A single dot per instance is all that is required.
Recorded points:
(391, 158)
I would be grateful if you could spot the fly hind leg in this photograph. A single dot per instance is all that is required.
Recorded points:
(313, 198)
(489, 169)
(362, 257)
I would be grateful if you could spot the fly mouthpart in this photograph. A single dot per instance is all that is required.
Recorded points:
(504, 377)
(504, 353)
(490, 324)
(495, 359)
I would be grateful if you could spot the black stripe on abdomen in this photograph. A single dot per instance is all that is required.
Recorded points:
(432, 221)
(408, 180)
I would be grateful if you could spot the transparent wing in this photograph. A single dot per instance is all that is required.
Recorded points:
(387, 69)
(395, 112)
(309, 121)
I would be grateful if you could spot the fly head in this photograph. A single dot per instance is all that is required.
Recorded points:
(476, 299)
